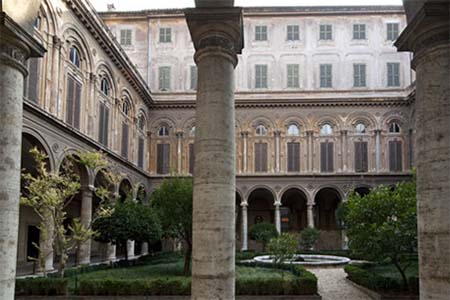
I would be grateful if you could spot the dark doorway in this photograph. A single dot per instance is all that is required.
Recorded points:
(32, 241)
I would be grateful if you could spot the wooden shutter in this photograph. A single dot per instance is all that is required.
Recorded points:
(264, 156)
(125, 140)
(106, 125)
(361, 157)
(191, 158)
(101, 122)
(330, 157)
(326, 157)
(32, 81)
(159, 158)
(365, 157)
(293, 157)
(399, 156)
(77, 105)
(260, 157)
(69, 102)
(141, 152)
(323, 157)
(395, 156)
(166, 158)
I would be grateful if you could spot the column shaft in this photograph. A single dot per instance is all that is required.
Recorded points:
(130, 249)
(144, 248)
(377, 151)
(310, 216)
(84, 252)
(277, 217)
(244, 227)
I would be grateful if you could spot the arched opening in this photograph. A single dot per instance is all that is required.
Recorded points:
(29, 221)
(362, 190)
(125, 190)
(260, 209)
(327, 201)
(141, 195)
(293, 210)
(238, 221)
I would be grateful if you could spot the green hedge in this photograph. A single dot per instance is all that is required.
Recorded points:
(41, 287)
(373, 281)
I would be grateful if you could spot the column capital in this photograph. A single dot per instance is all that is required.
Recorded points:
(179, 134)
(309, 132)
(428, 30)
(244, 204)
(216, 31)
(344, 132)
(244, 134)
(377, 131)
(277, 204)
(277, 133)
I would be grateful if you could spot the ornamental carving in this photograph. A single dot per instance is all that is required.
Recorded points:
(216, 41)
(14, 52)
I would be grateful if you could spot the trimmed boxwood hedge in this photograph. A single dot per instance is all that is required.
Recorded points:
(376, 282)
(41, 286)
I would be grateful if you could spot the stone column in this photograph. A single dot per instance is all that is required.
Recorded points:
(377, 150)
(46, 238)
(277, 217)
(217, 37)
(344, 149)
(16, 46)
(428, 37)
(310, 215)
(130, 249)
(244, 225)
(244, 151)
(84, 252)
(179, 139)
(144, 248)
(57, 44)
(110, 252)
(277, 150)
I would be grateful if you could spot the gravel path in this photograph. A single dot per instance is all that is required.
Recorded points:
(334, 286)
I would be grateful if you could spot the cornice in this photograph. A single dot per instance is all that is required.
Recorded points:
(101, 33)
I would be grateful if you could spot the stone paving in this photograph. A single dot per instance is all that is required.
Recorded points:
(333, 285)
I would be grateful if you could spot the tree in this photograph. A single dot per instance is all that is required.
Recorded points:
(308, 238)
(263, 232)
(173, 203)
(282, 248)
(383, 224)
(128, 221)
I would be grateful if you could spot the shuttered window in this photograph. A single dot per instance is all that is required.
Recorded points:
(395, 156)
(359, 75)
(326, 79)
(293, 33)
(393, 74)
(125, 140)
(163, 158)
(326, 157)
(361, 157)
(73, 102)
(103, 124)
(260, 33)
(392, 30)
(164, 78)
(125, 37)
(32, 81)
(260, 76)
(191, 158)
(260, 157)
(293, 157)
(326, 32)
(359, 31)
(292, 76)
(141, 146)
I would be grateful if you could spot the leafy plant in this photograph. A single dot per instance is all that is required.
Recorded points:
(263, 232)
(308, 238)
(282, 248)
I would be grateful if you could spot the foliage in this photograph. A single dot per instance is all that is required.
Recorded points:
(308, 238)
(383, 224)
(263, 232)
(248, 254)
(128, 221)
(282, 248)
(41, 287)
(378, 281)
(172, 201)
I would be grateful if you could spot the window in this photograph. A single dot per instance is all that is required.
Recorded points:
(326, 32)
(141, 122)
(326, 76)
(165, 35)
(104, 86)
(164, 78)
(125, 37)
(361, 157)
(392, 31)
(394, 127)
(292, 76)
(326, 156)
(36, 22)
(261, 76)
(192, 131)
(141, 145)
(260, 33)
(293, 33)
(261, 130)
(393, 74)
(359, 31)
(163, 158)
(103, 124)
(360, 128)
(193, 77)
(326, 129)
(31, 82)
(163, 131)
(293, 130)
(260, 157)
(73, 102)
(125, 131)
(126, 107)
(293, 157)
(359, 75)
(395, 156)
(74, 56)
(191, 158)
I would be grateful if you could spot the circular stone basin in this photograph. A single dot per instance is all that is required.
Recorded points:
(310, 260)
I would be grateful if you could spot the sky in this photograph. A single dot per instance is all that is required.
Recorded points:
(121, 5)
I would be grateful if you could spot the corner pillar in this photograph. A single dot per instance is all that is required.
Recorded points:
(217, 37)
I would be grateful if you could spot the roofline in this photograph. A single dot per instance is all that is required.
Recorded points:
(265, 10)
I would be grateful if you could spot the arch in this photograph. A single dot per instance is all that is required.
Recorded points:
(45, 146)
(72, 37)
(141, 193)
(261, 186)
(241, 195)
(154, 126)
(293, 211)
(361, 116)
(331, 186)
(125, 187)
(326, 201)
(260, 206)
(363, 190)
(81, 170)
(328, 119)
(262, 120)
(125, 95)
(292, 119)
(104, 70)
(393, 116)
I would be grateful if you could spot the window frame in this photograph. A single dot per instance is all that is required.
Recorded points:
(293, 76)
(126, 39)
(165, 35)
(359, 75)
(359, 32)
(164, 78)
(326, 75)
(393, 74)
(292, 33)
(261, 72)
(261, 33)
(392, 31)
(325, 32)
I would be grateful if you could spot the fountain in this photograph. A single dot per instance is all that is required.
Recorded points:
(309, 260)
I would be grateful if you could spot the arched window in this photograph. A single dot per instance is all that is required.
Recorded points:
(394, 127)
(326, 129)
(104, 86)
(192, 131)
(163, 131)
(141, 122)
(360, 128)
(293, 130)
(126, 106)
(261, 130)
(74, 56)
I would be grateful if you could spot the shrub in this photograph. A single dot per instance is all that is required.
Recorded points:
(263, 232)
(308, 238)
(282, 248)
(248, 254)
(41, 287)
